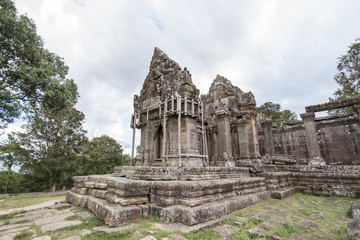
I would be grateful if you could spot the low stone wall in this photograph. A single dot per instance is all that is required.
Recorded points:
(316, 180)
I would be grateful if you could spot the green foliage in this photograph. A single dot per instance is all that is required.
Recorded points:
(202, 97)
(9, 181)
(273, 111)
(349, 73)
(101, 155)
(348, 77)
(30, 75)
(53, 142)
(11, 154)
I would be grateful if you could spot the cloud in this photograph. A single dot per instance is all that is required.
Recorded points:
(282, 51)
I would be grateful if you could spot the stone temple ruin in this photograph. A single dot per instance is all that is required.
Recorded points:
(202, 159)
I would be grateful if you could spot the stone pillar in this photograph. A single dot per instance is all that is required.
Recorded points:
(243, 139)
(311, 137)
(224, 134)
(252, 139)
(268, 137)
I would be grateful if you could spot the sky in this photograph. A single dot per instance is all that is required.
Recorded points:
(282, 51)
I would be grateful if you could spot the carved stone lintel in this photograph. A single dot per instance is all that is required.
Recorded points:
(308, 115)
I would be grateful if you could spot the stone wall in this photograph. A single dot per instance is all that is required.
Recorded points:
(317, 180)
(336, 139)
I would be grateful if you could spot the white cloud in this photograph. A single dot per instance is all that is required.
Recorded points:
(282, 51)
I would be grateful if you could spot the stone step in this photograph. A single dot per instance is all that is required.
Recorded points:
(194, 215)
(184, 173)
(286, 192)
(193, 193)
(112, 214)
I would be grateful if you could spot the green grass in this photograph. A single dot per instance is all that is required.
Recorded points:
(331, 212)
(23, 201)
(207, 234)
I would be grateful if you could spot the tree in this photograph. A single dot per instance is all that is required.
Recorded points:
(273, 111)
(349, 73)
(53, 141)
(11, 154)
(101, 155)
(30, 75)
(348, 77)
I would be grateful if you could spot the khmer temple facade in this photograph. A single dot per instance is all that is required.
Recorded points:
(178, 129)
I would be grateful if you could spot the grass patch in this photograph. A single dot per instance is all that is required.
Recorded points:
(284, 230)
(23, 236)
(24, 201)
(62, 208)
(100, 235)
(207, 234)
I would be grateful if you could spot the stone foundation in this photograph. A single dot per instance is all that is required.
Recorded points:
(189, 195)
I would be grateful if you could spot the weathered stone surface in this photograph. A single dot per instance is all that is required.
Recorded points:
(14, 231)
(285, 192)
(206, 212)
(148, 238)
(12, 226)
(46, 237)
(113, 214)
(115, 229)
(55, 218)
(354, 225)
(257, 232)
(72, 238)
(227, 232)
(85, 215)
(353, 228)
(354, 211)
(178, 237)
(124, 201)
(85, 232)
(77, 199)
(59, 225)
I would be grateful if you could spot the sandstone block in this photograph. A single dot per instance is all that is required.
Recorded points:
(113, 214)
(77, 199)
(59, 225)
(55, 218)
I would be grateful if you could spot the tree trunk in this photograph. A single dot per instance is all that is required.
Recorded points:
(53, 188)
(7, 178)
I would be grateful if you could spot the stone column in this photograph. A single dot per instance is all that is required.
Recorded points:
(268, 137)
(243, 139)
(223, 122)
(252, 139)
(311, 137)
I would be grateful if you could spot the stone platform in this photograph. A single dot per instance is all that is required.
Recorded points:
(189, 195)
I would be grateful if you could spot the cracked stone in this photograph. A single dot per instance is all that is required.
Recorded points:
(310, 224)
(107, 229)
(257, 232)
(55, 218)
(227, 232)
(59, 225)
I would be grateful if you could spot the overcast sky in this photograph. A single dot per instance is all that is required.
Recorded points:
(283, 51)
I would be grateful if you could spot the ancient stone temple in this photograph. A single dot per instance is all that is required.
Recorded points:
(201, 159)
(177, 129)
